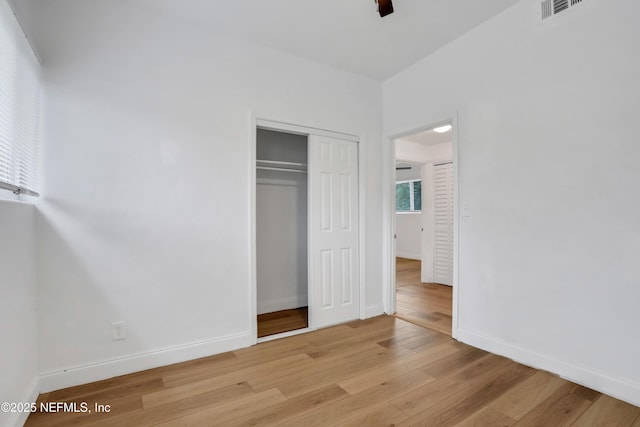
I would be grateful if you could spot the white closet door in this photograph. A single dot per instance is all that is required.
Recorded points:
(333, 198)
(443, 224)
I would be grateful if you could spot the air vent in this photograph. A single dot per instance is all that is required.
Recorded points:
(560, 5)
(553, 7)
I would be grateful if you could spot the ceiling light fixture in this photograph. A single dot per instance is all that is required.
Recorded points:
(442, 129)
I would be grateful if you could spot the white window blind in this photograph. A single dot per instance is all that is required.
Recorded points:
(19, 108)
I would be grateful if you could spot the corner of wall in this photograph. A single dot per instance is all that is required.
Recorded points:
(31, 396)
(614, 387)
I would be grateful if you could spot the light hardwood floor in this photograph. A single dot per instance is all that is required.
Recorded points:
(378, 372)
(425, 304)
(282, 321)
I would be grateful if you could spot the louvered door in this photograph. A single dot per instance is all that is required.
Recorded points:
(443, 224)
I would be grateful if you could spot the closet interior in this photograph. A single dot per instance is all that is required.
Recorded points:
(281, 231)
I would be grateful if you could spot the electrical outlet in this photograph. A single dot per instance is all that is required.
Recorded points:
(118, 331)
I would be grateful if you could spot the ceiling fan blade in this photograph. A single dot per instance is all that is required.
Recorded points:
(385, 7)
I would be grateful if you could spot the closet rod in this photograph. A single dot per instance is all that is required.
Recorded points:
(280, 163)
(281, 169)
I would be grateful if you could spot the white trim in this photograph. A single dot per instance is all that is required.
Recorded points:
(280, 304)
(105, 369)
(31, 396)
(362, 182)
(374, 310)
(303, 130)
(455, 322)
(311, 313)
(389, 211)
(284, 335)
(618, 388)
(389, 226)
(253, 256)
(409, 180)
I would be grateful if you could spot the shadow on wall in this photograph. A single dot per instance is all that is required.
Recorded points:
(70, 298)
(101, 262)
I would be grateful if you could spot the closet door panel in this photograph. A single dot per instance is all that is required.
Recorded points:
(333, 231)
(326, 280)
(347, 275)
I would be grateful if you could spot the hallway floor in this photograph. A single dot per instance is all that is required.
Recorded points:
(424, 304)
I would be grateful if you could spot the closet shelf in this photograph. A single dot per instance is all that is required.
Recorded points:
(276, 165)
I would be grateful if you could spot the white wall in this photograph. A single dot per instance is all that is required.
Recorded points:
(18, 333)
(145, 217)
(408, 227)
(420, 153)
(548, 269)
(281, 224)
(407, 174)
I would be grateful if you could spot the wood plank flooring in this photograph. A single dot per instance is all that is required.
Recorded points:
(282, 321)
(425, 304)
(377, 372)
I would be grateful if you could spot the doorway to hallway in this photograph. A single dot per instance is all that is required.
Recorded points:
(423, 228)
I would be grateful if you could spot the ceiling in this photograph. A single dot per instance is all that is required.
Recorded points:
(345, 34)
(429, 137)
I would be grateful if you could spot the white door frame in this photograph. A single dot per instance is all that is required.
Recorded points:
(389, 217)
(261, 121)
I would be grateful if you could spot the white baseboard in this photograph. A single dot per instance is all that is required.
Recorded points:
(78, 375)
(407, 255)
(30, 396)
(618, 388)
(282, 304)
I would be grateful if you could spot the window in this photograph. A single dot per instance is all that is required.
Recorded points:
(409, 196)
(19, 107)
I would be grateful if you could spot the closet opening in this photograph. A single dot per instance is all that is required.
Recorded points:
(281, 232)
(305, 230)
